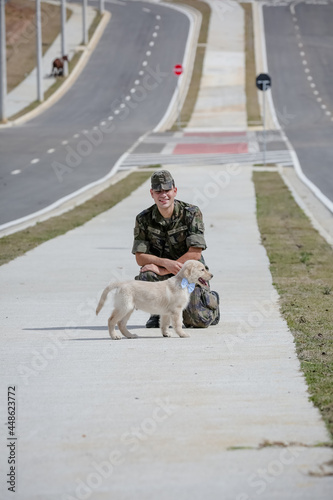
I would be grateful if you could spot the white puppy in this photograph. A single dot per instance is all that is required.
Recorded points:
(166, 298)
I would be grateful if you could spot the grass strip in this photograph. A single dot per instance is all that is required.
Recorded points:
(252, 105)
(194, 87)
(17, 244)
(302, 270)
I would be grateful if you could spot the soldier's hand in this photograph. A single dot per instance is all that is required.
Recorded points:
(150, 267)
(173, 266)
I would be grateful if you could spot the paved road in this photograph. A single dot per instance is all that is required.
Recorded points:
(300, 61)
(38, 168)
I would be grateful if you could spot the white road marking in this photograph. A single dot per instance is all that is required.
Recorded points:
(132, 91)
(300, 45)
(148, 53)
(110, 118)
(319, 99)
(141, 72)
(315, 92)
(76, 136)
(306, 70)
(136, 82)
(102, 123)
(128, 98)
(144, 63)
(328, 113)
(313, 85)
(154, 34)
(158, 17)
(145, 9)
(35, 160)
(151, 44)
(302, 53)
(157, 27)
(16, 172)
(64, 142)
(116, 111)
(310, 78)
(50, 151)
(304, 62)
(323, 106)
(122, 105)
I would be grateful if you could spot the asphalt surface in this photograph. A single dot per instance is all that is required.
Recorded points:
(300, 62)
(37, 168)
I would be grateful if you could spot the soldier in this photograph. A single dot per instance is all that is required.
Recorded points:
(166, 235)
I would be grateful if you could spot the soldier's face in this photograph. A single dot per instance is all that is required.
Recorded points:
(164, 199)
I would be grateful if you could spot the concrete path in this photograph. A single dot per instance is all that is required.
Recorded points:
(26, 92)
(180, 417)
(223, 414)
(221, 102)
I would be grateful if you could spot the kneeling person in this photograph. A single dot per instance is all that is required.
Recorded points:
(166, 235)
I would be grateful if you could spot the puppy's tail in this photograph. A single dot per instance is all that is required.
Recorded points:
(104, 296)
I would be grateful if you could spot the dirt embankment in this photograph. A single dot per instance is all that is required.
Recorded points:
(21, 36)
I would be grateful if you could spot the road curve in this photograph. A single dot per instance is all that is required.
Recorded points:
(299, 45)
(123, 92)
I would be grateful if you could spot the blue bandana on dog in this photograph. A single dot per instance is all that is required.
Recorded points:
(190, 286)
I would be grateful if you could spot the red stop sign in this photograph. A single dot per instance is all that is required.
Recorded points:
(178, 69)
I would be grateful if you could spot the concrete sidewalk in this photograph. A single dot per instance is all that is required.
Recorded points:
(180, 417)
(223, 414)
(26, 92)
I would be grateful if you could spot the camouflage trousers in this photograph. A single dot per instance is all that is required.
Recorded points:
(203, 307)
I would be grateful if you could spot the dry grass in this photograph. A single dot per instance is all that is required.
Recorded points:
(302, 270)
(194, 87)
(252, 105)
(17, 244)
(21, 37)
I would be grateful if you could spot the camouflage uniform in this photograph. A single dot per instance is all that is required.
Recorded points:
(170, 239)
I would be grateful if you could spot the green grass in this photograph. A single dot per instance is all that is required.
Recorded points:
(301, 263)
(17, 244)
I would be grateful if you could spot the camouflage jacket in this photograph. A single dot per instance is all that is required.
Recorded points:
(169, 238)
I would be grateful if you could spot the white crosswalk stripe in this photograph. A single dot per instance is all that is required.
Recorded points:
(135, 160)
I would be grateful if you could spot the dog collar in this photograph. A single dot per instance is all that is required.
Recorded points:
(190, 286)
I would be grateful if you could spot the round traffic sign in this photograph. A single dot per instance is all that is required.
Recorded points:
(178, 69)
(263, 81)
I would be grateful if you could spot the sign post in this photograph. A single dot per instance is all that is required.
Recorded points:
(178, 70)
(264, 82)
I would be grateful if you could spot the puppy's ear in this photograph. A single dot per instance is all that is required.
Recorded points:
(186, 270)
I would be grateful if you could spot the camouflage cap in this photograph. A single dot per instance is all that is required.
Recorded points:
(162, 179)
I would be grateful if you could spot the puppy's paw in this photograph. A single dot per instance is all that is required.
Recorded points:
(183, 334)
(116, 336)
(166, 334)
(133, 336)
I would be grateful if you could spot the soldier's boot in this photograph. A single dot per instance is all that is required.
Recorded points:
(153, 322)
(217, 319)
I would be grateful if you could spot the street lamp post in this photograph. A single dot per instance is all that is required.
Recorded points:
(84, 22)
(40, 91)
(3, 65)
(63, 36)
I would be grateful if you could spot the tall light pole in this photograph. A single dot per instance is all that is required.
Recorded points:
(40, 91)
(101, 6)
(3, 65)
(84, 22)
(63, 35)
